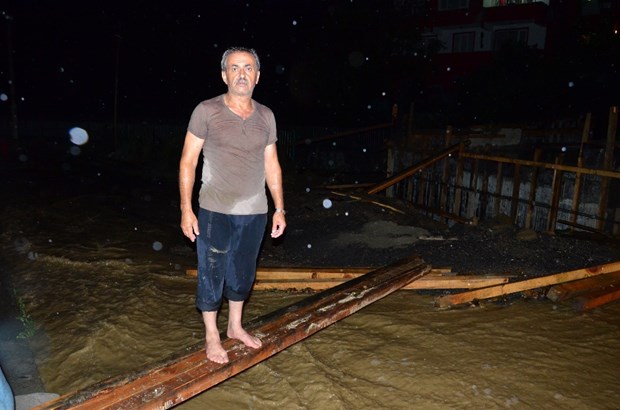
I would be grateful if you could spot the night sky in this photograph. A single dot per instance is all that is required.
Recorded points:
(321, 61)
(338, 62)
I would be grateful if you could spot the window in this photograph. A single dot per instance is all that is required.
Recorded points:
(463, 42)
(511, 36)
(453, 4)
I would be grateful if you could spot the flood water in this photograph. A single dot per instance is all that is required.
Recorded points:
(108, 294)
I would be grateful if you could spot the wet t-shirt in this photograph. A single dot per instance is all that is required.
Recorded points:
(233, 172)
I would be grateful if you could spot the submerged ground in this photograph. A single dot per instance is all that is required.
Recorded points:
(96, 258)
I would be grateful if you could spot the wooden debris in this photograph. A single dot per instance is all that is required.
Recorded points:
(168, 383)
(564, 291)
(514, 287)
(597, 298)
(315, 279)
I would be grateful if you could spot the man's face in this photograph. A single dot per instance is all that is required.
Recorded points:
(241, 74)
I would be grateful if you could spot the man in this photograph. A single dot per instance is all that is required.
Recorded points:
(237, 137)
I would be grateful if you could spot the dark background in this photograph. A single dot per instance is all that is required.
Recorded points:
(343, 62)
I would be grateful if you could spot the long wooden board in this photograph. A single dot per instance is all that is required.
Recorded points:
(576, 288)
(430, 281)
(596, 298)
(321, 278)
(494, 291)
(165, 384)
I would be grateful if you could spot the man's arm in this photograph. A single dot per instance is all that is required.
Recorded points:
(273, 177)
(187, 175)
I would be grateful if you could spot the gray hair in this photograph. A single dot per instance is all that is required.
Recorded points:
(239, 50)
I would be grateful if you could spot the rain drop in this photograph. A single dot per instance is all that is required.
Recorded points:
(4, 97)
(327, 203)
(309, 245)
(157, 246)
(78, 136)
(307, 189)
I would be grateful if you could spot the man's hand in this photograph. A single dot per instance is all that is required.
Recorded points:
(189, 225)
(279, 224)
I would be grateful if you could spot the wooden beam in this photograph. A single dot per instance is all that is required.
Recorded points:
(556, 193)
(563, 291)
(168, 383)
(514, 287)
(308, 278)
(596, 298)
(533, 186)
(322, 273)
(567, 168)
(412, 170)
(607, 164)
(427, 282)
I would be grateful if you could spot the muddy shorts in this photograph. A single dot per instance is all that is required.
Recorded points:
(227, 248)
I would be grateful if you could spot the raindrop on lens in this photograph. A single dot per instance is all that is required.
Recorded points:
(309, 245)
(78, 136)
(157, 246)
(563, 149)
(4, 97)
(307, 189)
(327, 203)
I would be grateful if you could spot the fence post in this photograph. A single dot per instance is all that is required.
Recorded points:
(533, 186)
(608, 164)
(556, 189)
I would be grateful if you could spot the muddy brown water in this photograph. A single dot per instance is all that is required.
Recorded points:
(107, 304)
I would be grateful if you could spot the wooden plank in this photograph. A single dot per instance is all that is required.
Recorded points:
(317, 272)
(596, 299)
(556, 193)
(569, 290)
(412, 170)
(562, 167)
(445, 175)
(185, 375)
(585, 136)
(499, 185)
(533, 186)
(516, 188)
(514, 287)
(608, 165)
(458, 182)
(427, 282)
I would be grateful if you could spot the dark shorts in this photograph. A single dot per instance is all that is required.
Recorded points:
(227, 248)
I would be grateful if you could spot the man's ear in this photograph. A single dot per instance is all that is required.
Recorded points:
(257, 76)
(224, 77)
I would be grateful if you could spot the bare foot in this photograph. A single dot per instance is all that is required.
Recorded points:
(215, 351)
(246, 338)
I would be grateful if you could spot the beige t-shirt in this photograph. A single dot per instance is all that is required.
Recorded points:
(233, 172)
